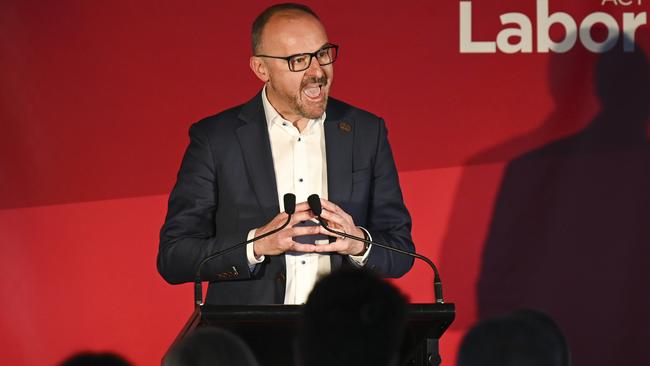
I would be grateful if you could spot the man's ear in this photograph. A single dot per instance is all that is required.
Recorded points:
(259, 68)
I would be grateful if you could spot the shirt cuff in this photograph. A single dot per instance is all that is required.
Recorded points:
(250, 253)
(360, 260)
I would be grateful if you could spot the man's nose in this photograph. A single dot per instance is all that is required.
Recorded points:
(315, 68)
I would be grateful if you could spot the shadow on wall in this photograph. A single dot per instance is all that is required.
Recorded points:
(571, 88)
(570, 232)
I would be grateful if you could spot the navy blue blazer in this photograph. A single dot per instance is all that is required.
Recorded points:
(226, 186)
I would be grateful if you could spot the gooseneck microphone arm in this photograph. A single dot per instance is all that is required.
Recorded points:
(316, 208)
(289, 208)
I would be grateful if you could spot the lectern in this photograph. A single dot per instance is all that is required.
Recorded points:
(270, 330)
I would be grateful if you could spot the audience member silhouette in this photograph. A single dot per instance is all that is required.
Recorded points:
(522, 338)
(352, 317)
(95, 359)
(211, 347)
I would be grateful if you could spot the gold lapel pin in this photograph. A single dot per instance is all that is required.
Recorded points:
(345, 127)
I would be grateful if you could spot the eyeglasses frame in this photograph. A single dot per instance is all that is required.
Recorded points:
(310, 54)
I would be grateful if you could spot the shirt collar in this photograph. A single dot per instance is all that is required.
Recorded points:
(272, 115)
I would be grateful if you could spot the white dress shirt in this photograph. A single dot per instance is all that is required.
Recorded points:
(300, 165)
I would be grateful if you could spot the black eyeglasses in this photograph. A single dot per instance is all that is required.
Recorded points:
(300, 62)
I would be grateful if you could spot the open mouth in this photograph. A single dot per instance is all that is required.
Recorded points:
(313, 91)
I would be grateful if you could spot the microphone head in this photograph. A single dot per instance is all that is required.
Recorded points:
(290, 203)
(314, 204)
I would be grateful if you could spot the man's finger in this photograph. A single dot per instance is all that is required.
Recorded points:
(329, 233)
(301, 216)
(330, 206)
(332, 217)
(306, 248)
(328, 248)
(305, 230)
(281, 217)
(302, 206)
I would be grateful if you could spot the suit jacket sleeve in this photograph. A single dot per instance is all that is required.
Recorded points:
(189, 233)
(388, 219)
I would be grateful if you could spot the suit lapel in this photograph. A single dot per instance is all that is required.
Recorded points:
(338, 144)
(256, 148)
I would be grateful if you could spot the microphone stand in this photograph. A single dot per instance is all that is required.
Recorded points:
(289, 205)
(437, 284)
(316, 208)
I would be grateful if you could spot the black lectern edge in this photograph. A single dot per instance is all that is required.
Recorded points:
(417, 312)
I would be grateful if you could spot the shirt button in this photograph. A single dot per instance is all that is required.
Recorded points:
(299, 139)
(284, 123)
(303, 262)
(300, 180)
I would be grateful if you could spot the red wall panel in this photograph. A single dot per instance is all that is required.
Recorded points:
(82, 276)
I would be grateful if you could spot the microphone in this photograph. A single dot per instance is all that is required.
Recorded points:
(289, 208)
(314, 205)
(290, 203)
(317, 209)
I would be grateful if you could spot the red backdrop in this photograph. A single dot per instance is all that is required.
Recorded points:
(96, 99)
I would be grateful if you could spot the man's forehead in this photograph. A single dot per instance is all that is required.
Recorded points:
(293, 31)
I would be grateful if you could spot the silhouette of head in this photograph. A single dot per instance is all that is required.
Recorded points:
(569, 74)
(352, 317)
(622, 79)
(95, 359)
(523, 338)
(211, 347)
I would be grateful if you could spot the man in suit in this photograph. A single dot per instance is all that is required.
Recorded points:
(290, 138)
